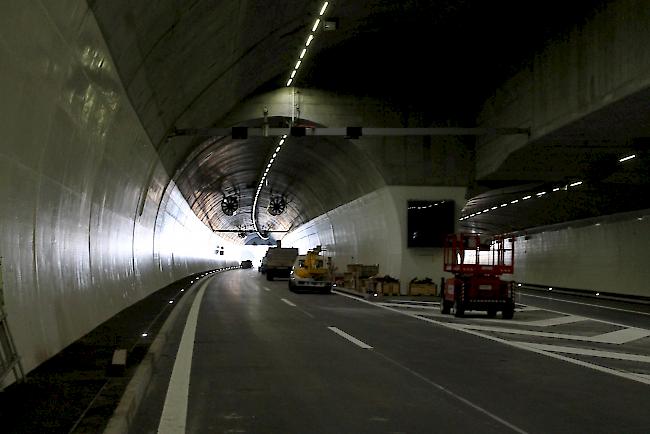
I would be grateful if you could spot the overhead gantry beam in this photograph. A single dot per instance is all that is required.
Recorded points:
(345, 132)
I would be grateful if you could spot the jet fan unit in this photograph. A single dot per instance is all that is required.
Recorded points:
(229, 205)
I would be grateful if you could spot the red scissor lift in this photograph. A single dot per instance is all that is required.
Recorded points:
(477, 265)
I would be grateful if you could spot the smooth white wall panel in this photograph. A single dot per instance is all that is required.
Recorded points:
(81, 186)
(372, 230)
(611, 257)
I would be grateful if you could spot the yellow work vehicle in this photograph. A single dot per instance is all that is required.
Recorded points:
(310, 273)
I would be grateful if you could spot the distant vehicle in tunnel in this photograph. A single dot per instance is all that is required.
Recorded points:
(247, 263)
(279, 261)
(310, 273)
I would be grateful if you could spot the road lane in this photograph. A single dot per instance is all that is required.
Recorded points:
(262, 365)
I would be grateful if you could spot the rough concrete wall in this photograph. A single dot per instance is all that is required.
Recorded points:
(608, 257)
(594, 65)
(80, 183)
(372, 230)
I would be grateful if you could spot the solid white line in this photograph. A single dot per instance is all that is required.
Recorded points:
(634, 377)
(454, 395)
(588, 352)
(174, 414)
(350, 338)
(587, 304)
(288, 302)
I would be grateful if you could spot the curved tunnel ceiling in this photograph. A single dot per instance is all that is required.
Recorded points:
(312, 174)
(189, 65)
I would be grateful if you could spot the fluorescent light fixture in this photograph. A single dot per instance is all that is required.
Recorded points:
(284, 136)
(289, 82)
(302, 54)
(171, 301)
(281, 142)
(298, 64)
(479, 212)
(275, 154)
(629, 157)
(597, 294)
(277, 149)
(309, 39)
(519, 284)
(550, 289)
(144, 335)
(293, 73)
(271, 161)
(556, 189)
(504, 204)
(575, 184)
(514, 201)
(494, 207)
(322, 10)
(472, 215)
(542, 193)
(526, 197)
(486, 210)
(313, 29)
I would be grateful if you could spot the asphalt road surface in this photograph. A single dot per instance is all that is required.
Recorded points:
(254, 357)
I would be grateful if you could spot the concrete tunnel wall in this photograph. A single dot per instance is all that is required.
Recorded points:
(372, 230)
(90, 223)
(597, 64)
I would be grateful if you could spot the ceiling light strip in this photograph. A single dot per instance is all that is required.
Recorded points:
(263, 179)
(308, 41)
(529, 196)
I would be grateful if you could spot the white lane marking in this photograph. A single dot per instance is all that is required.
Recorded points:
(174, 414)
(588, 352)
(634, 377)
(288, 302)
(646, 376)
(568, 319)
(266, 289)
(453, 395)
(350, 338)
(411, 306)
(587, 304)
(617, 337)
(623, 336)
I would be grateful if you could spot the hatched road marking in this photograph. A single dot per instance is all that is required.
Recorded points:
(622, 335)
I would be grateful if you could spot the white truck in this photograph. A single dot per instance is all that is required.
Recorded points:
(279, 261)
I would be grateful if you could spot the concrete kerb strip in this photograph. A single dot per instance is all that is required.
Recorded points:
(137, 387)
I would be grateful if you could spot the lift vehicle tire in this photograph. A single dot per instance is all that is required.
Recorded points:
(269, 275)
(508, 311)
(459, 309)
(445, 306)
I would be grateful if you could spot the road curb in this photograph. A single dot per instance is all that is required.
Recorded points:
(127, 408)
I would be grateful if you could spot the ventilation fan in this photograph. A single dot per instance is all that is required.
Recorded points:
(277, 205)
(229, 205)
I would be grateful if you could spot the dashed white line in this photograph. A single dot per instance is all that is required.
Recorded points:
(350, 338)
(266, 289)
(288, 302)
